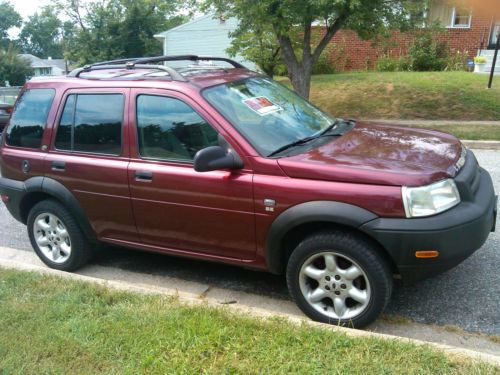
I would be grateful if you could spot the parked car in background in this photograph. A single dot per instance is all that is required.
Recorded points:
(5, 112)
(224, 164)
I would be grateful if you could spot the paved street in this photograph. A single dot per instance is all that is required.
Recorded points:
(467, 296)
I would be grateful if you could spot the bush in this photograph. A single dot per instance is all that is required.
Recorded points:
(13, 69)
(392, 64)
(428, 53)
(324, 65)
(457, 61)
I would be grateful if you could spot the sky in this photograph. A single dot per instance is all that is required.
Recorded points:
(27, 7)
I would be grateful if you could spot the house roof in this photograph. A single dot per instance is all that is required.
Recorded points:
(177, 28)
(37, 62)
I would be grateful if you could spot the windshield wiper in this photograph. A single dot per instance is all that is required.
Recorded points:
(329, 128)
(290, 145)
(324, 133)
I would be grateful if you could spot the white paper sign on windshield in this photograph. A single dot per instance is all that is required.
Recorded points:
(262, 105)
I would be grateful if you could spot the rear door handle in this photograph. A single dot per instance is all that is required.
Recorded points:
(143, 175)
(58, 165)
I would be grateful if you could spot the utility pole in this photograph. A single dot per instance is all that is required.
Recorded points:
(490, 83)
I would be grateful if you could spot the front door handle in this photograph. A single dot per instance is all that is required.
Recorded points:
(58, 165)
(143, 175)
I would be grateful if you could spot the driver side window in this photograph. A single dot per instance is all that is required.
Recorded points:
(169, 129)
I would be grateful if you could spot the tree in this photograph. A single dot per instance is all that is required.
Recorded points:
(13, 69)
(9, 18)
(260, 46)
(112, 29)
(42, 34)
(289, 19)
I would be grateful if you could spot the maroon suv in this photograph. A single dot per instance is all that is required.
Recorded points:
(213, 161)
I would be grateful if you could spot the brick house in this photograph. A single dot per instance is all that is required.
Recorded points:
(466, 32)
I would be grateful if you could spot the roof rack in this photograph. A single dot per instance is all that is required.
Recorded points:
(147, 63)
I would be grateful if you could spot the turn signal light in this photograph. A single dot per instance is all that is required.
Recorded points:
(427, 254)
(5, 198)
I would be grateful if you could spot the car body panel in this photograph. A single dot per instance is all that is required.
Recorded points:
(380, 155)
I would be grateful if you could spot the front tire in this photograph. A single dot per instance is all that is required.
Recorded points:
(339, 278)
(56, 237)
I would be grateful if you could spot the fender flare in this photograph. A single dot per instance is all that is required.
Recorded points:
(62, 194)
(309, 212)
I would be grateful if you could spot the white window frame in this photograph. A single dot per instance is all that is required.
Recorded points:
(452, 21)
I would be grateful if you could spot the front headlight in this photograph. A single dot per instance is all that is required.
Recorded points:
(431, 199)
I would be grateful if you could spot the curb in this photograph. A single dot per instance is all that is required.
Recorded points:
(195, 299)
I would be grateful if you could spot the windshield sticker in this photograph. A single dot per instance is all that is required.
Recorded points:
(262, 105)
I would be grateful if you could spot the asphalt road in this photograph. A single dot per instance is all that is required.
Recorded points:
(467, 296)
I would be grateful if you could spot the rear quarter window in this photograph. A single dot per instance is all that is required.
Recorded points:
(29, 118)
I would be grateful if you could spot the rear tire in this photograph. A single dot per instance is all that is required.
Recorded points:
(56, 237)
(339, 278)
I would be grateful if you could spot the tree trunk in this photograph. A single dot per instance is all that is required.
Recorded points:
(300, 72)
(301, 78)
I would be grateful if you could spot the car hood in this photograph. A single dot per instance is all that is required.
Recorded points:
(379, 154)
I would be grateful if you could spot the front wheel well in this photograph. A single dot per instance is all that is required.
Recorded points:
(297, 234)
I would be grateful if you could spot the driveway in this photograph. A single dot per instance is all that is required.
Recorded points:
(467, 296)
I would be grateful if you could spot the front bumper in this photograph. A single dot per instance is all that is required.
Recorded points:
(456, 233)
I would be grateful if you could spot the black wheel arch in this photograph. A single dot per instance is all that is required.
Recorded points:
(311, 216)
(40, 188)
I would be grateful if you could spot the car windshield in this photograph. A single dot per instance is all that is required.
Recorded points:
(269, 115)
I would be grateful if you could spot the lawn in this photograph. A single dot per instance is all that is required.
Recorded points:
(408, 95)
(52, 325)
(469, 132)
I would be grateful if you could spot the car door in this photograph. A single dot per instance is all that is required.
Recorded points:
(176, 208)
(89, 156)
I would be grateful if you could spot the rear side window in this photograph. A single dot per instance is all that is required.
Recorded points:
(29, 118)
(91, 123)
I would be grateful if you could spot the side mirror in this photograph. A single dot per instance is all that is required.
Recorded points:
(217, 157)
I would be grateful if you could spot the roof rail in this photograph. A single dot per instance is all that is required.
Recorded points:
(176, 76)
(145, 63)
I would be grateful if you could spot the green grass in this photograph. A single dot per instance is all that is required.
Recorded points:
(52, 325)
(470, 132)
(408, 95)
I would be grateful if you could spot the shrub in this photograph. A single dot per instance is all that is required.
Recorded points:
(457, 61)
(324, 65)
(428, 53)
(392, 64)
(13, 69)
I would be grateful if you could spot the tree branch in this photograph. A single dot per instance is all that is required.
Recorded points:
(330, 33)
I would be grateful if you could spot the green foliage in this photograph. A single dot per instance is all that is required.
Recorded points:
(324, 65)
(111, 29)
(13, 68)
(42, 34)
(428, 52)
(289, 19)
(393, 64)
(259, 46)
(457, 61)
(9, 18)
